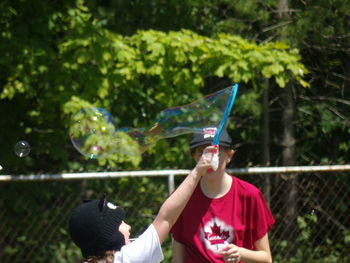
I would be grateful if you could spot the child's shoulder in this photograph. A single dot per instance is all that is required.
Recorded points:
(245, 188)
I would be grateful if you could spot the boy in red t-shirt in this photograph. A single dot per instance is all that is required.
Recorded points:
(226, 219)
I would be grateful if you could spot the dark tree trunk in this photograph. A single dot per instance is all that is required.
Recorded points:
(289, 145)
(265, 158)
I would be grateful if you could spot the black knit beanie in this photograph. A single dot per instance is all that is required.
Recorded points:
(93, 227)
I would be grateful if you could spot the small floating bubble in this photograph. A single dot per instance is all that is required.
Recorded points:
(22, 148)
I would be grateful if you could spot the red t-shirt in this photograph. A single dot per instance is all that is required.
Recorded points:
(207, 225)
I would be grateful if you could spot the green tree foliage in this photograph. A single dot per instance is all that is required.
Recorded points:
(73, 62)
(326, 251)
(136, 58)
(319, 29)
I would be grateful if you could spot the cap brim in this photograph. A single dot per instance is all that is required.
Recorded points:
(209, 142)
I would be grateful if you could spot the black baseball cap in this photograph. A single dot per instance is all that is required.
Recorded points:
(206, 137)
(93, 227)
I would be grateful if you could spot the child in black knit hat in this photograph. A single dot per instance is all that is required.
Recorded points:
(97, 227)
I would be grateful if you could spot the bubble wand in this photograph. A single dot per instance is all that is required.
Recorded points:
(215, 157)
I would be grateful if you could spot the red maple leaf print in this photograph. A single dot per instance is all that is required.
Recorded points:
(216, 236)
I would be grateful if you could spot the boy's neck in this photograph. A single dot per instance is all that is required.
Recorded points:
(216, 185)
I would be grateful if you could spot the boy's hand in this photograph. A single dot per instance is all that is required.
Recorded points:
(231, 254)
(206, 162)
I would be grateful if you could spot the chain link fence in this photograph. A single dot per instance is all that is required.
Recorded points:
(312, 212)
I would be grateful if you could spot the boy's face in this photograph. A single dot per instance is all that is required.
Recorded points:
(225, 154)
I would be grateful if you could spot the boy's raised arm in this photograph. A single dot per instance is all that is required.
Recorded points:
(176, 202)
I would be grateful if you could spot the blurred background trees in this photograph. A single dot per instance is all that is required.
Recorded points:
(136, 58)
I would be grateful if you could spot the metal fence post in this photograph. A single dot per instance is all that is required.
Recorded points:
(171, 183)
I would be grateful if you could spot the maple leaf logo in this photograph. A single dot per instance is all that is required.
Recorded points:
(216, 236)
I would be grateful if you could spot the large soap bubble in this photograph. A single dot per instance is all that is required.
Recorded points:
(94, 134)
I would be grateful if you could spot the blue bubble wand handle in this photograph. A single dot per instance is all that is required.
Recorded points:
(215, 153)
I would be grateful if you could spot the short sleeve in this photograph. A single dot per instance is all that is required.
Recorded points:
(145, 248)
(262, 218)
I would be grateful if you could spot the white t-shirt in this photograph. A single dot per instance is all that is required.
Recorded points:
(146, 248)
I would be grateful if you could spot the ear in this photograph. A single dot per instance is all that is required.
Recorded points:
(230, 154)
(102, 203)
